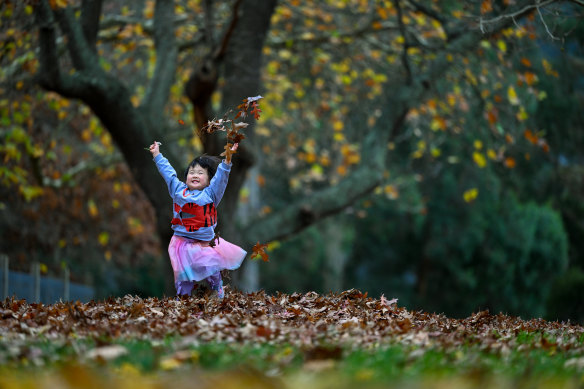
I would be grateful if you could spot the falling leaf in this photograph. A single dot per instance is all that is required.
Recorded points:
(181, 122)
(259, 251)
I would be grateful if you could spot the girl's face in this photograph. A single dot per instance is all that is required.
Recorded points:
(197, 178)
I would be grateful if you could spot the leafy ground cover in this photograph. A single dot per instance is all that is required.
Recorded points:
(280, 341)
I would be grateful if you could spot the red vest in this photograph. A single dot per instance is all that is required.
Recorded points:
(193, 216)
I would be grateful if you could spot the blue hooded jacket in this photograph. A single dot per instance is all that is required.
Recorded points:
(194, 211)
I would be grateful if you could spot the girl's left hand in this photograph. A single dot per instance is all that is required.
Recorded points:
(155, 148)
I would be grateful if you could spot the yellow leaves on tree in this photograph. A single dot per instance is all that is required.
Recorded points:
(480, 159)
(512, 96)
(470, 195)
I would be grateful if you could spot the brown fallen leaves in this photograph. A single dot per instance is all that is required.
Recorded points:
(347, 319)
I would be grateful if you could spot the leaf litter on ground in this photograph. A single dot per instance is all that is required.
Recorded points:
(277, 335)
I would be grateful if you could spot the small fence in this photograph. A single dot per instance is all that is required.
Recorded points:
(40, 289)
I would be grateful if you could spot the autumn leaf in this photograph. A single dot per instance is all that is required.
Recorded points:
(214, 125)
(512, 96)
(470, 195)
(530, 136)
(58, 4)
(486, 6)
(479, 159)
(237, 138)
(181, 122)
(244, 107)
(256, 110)
(259, 251)
(510, 162)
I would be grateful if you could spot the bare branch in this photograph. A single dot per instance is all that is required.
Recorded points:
(516, 14)
(221, 50)
(545, 25)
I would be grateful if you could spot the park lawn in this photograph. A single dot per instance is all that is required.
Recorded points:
(283, 341)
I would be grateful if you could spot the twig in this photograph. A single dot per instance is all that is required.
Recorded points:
(545, 25)
(513, 15)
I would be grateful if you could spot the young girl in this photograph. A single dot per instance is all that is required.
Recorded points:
(193, 255)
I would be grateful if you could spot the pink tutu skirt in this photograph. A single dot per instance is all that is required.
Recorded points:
(192, 260)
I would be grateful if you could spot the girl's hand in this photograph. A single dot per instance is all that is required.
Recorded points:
(155, 148)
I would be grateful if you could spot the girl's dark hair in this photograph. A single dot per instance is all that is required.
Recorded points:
(207, 162)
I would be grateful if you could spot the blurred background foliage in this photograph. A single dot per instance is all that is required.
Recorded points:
(481, 204)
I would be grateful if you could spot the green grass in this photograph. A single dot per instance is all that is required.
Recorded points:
(412, 365)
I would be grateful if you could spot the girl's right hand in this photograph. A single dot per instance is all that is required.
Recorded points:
(155, 148)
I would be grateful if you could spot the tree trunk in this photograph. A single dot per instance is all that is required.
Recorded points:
(241, 68)
(334, 233)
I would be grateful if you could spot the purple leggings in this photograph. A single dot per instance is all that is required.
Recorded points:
(186, 287)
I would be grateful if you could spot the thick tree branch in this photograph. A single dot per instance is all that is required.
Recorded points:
(49, 75)
(90, 13)
(84, 59)
(166, 58)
